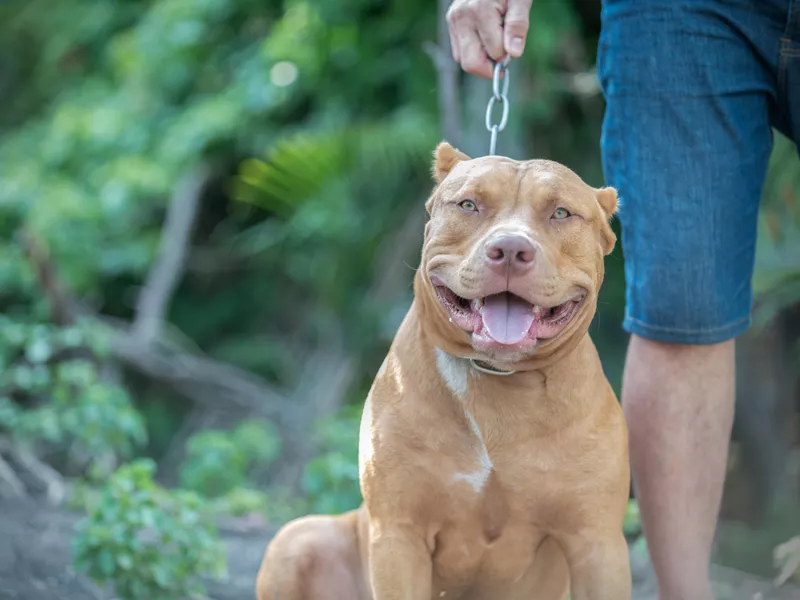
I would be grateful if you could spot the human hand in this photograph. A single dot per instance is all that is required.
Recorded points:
(481, 30)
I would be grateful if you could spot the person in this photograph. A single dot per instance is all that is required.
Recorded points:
(693, 89)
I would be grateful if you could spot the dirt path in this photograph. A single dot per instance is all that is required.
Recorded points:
(35, 561)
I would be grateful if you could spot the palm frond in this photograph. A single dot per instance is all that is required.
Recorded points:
(302, 165)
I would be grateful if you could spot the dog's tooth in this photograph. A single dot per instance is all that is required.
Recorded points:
(450, 319)
(537, 310)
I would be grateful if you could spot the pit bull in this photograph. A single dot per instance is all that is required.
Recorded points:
(492, 451)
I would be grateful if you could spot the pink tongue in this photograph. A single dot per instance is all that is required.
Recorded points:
(507, 318)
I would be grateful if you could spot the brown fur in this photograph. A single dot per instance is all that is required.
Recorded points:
(478, 486)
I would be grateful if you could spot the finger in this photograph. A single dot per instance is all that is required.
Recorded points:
(515, 28)
(490, 31)
(456, 19)
(454, 46)
(473, 56)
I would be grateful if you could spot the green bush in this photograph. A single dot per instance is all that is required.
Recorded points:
(218, 462)
(150, 543)
(52, 390)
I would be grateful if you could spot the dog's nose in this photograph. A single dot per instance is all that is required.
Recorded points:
(516, 251)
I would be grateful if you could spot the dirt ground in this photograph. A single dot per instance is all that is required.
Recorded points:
(35, 561)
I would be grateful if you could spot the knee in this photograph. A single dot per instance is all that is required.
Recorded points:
(664, 379)
(674, 351)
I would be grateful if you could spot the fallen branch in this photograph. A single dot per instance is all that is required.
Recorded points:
(202, 379)
(14, 488)
(28, 466)
(43, 474)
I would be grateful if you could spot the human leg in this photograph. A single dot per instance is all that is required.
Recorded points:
(678, 400)
(686, 142)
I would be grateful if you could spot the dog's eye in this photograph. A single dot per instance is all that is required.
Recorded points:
(468, 205)
(561, 213)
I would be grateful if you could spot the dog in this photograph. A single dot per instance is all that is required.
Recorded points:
(493, 453)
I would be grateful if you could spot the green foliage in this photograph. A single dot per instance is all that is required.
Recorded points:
(218, 462)
(632, 525)
(776, 281)
(242, 501)
(272, 506)
(52, 390)
(306, 166)
(82, 495)
(154, 88)
(339, 191)
(330, 480)
(152, 544)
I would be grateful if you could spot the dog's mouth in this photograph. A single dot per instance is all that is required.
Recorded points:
(506, 319)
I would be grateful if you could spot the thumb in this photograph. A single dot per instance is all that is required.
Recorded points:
(515, 26)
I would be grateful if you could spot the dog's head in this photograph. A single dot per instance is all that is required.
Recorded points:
(513, 256)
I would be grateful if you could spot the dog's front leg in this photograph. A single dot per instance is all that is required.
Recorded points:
(400, 564)
(599, 566)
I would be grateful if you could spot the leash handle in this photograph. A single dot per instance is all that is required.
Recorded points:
(499, 95)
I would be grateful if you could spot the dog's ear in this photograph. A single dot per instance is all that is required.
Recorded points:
(607, 197)
(609, 203)
(445, 158)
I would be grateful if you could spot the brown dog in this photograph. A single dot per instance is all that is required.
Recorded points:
(493, 452)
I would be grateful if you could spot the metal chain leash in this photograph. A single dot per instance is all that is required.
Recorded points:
(498, 96)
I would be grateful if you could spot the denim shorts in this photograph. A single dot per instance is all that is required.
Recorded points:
(692, 91)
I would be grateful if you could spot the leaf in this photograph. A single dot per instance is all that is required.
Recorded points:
(39, 350)
(105, 563)
(125, 561)
(787, 558)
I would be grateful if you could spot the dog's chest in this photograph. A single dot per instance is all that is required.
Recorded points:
(500, 494)
(489, 549)
(488, 537)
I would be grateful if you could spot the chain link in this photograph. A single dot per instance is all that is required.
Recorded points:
(501, 96)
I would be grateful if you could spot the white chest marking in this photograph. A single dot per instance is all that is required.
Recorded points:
(454, 372)
(477, 478)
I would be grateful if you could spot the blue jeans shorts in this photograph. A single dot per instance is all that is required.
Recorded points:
(692, 89)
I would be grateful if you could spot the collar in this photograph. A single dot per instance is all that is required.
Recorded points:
(485, 367)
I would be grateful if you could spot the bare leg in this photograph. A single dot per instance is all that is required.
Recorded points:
(679, 403)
